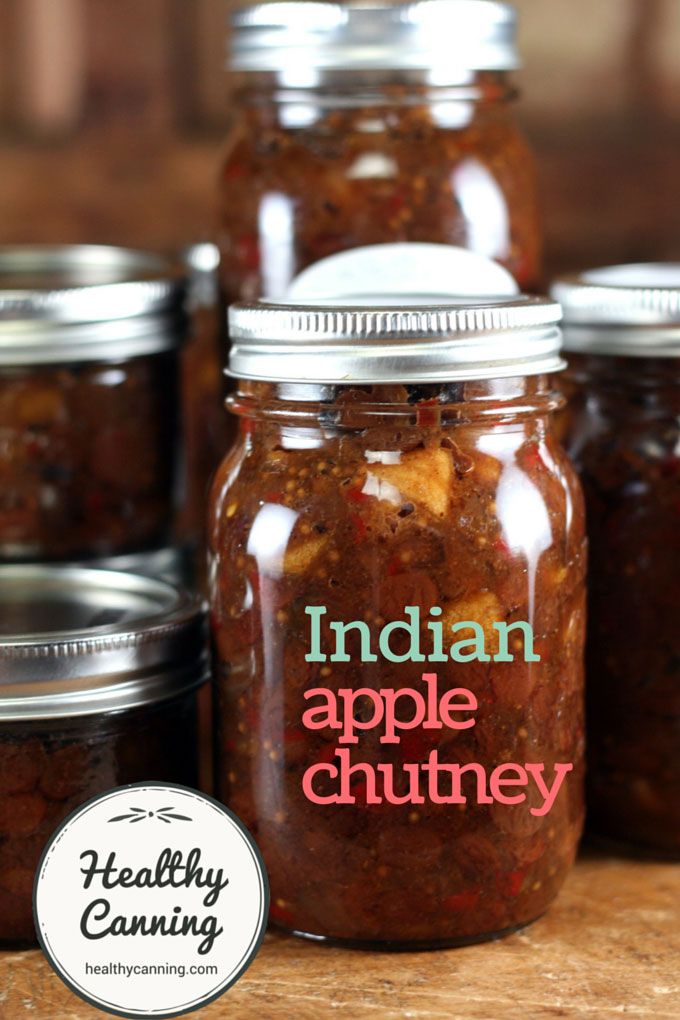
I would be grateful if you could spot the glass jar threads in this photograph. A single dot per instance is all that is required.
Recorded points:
(99, 678)
(396, 487)
(623, 433)
(364, 124)
(89, 391)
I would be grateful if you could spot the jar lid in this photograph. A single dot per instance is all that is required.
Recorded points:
(341, 343)
(630, 310)
(445, 36)
(84, 302)
(77, 641)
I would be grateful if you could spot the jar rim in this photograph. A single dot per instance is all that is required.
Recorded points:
(441, 36)
(69, 303)
(624, 310)
(83, 641)
(363, 342)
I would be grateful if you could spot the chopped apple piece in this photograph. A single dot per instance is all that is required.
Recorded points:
(422, 476)
(487, 469)
(483, 608)
(300, 556)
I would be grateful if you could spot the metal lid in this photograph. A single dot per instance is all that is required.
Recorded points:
(75, 641)
(170, 563)
(465, 338)
(85, 302)
(631, 310)
(361, 35)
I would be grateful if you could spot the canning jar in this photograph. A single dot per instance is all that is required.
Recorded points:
(396, 473)
(623, 432)
(89, 394)
(360, 124)
(99, 678)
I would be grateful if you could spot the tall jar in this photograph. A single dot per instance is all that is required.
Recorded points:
(396, 469)
(365, 124)
(90, 464)
(100, 674)
(623, 432)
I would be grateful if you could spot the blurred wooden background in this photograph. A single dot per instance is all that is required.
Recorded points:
(112, 115)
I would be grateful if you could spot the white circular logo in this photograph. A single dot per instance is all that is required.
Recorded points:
(151, 900)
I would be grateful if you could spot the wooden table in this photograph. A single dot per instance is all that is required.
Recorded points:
(609, 948)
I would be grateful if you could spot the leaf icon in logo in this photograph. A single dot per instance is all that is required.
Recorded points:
(165, 814)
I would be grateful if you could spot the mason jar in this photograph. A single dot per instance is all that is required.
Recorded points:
(623, 432)
(100, 673)
(362, 124)
(89, 396)
(396, 471)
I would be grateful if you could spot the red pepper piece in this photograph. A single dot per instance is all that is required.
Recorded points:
(394, 566)
(395, 203)
(357, 496)
(281, 915)
(532, 456)
(325, 755)
(428, 413)
(359, 526)
(359, 792)
(510, 883)
(273, 497)
(501, 546)
(461, 903)
(293, 735)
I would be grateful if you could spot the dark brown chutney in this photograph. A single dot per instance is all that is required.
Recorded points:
(623, 432)
(48, 769)
(90, 446)
(101, 673)
(457, 497)
(89, 458)
(361, 147)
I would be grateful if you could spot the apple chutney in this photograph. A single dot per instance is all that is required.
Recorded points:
(364, 123)
(100, 674)
(623, 432)
(89, 395)
(396, 485)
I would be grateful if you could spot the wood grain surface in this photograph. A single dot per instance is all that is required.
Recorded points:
(610, 947)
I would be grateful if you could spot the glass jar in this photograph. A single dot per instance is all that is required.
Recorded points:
(623, 432)
(89, 392)
(99, 678)
(427, 489)
(205, 418)
(361, 125)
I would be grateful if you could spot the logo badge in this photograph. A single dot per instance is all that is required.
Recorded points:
(151, 900)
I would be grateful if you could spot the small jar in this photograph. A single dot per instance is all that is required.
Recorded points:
(623, 432)
(99, 679)
(89, 395)
(370, 124)
(398, 465)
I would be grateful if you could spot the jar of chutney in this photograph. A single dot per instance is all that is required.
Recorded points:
(396, 487)
(100, 674)
(89, 396)
(367, 123)
(623, 432)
